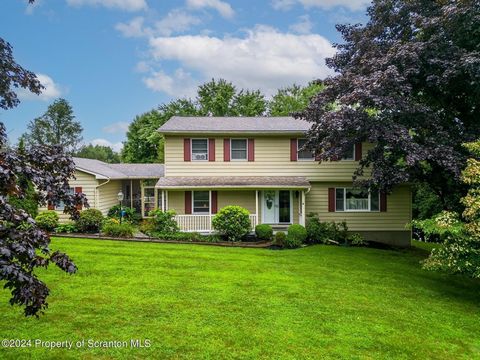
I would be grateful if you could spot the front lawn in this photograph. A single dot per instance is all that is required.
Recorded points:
(194, 301)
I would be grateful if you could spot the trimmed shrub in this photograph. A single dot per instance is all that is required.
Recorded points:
(69, 227)
(163, 221)
(233, 222)
(264, 232)
(90, 221)
(47, 220)
(187, 236)
(112, 228)
(296, 236)
(317, 232)
(280, 238)
(130, 214)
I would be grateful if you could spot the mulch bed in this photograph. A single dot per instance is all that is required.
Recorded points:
(243, 244)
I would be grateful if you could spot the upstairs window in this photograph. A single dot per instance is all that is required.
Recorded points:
(199, 149)
(356, 200)
(303, 154)
(201, 202)
(238, 148)
(350, 154)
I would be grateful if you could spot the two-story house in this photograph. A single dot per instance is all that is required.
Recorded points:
(256, 162)
(259, 163)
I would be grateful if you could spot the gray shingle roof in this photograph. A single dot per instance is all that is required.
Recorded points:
(236, 124)
(255, 182)
(119, 171)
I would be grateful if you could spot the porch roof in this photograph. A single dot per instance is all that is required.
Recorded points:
(102, 170)
(233, 182)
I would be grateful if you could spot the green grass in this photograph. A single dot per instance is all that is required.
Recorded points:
(204, 302)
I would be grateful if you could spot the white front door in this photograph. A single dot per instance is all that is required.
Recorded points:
(277, 206)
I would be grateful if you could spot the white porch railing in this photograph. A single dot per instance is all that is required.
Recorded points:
(202, 223)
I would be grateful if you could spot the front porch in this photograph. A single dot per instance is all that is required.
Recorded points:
(274, 201)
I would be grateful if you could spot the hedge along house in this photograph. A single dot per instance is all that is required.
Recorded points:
(101, 183)
(259, 163)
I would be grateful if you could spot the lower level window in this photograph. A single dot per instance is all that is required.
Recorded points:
(61, 205)
(201, 202)
(350, 199)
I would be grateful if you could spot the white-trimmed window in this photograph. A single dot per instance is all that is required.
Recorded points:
(201, 202)
(199, 149)
(303, 154)
(356, 200)
(238, 149)
(350, 154)
(60, 205)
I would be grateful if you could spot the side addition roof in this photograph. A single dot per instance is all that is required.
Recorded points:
(102, 170)
(236, 124)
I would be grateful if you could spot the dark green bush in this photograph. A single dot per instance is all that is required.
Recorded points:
(317, 232)
(90, 221)
(47, 220)
(130, 214)
(296, 236)
(264, 232)
(186, 236)
(115, 229)
(280, 237)
(163, 221)
(233, 222)
(69, 227)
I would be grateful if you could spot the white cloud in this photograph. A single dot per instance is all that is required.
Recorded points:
(118, 127)
(223, 8)
(134, 28)
(265, 59)
(180, 84)
(353, 5)
(51, 91)
(128, 5)
(175, 21)
(104, 142)
(303, 26)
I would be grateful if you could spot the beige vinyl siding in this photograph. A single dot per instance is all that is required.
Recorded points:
(398, 212)
(107, 195)
(176, 201)
(272, 158)
(241, 198)
(88, 183)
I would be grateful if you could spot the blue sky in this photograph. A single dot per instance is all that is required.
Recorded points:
(114, 59)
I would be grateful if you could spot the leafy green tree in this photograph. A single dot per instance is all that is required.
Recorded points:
(99, 152)
(221, 98)
(293, 99)
(56, 127)
(408, 82)
(460, 235)
(144, 144)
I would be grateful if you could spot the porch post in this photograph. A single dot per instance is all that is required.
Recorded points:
(166, 200)
(302, 199)
(163, 200)
(256, 207)
(131, 193)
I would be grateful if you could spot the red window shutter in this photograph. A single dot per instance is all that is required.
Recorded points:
(214, 205)
(50, 206)
(358, 151)
(188, 202)
(186, 150)
(211, 149)
(226, 149)
(293, 149)
(331, 199)
(383, 201)
(78, 189)
(251, 150)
